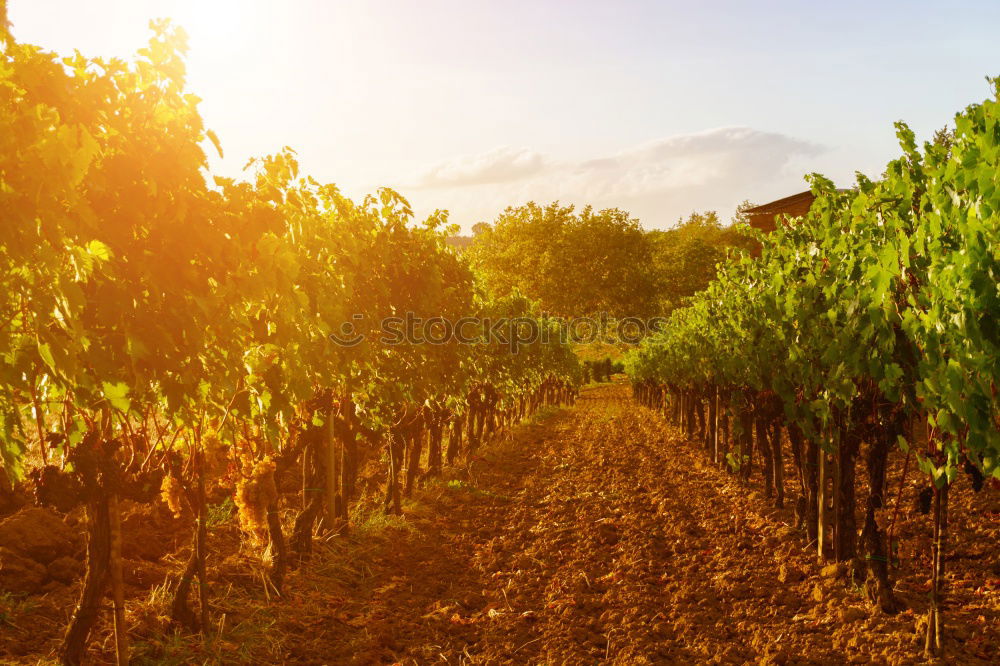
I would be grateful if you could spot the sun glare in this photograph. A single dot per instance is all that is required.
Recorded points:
(263, 401)
(218, 30)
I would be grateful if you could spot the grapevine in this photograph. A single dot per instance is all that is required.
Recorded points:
(870, 320)
(167, 335)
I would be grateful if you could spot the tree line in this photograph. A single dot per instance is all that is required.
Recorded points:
(584, 262)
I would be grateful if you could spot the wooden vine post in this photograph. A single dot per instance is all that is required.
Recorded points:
(715, 429)
(201, 543)
(117, 583)
(330, 462)
(934, 641)
(334, 464)
(827, 500)
(822, 518)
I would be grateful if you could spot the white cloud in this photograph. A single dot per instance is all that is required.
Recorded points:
(658, 182)
(496, 166)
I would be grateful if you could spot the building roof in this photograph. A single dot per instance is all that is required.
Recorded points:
(765, 216)
(800, 201)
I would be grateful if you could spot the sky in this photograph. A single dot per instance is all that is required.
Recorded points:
(658, 108)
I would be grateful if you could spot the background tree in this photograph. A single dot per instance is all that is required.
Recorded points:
(574, 263)
(685, 257)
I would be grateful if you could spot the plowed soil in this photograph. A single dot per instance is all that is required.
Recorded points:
(596, 534)
(600, 536)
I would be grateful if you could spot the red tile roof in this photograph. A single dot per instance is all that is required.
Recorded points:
(764, 217)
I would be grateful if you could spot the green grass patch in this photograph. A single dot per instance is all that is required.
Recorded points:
(458, 485)
(220, 513)
(373, 522)
(544, 413)
(13, 605)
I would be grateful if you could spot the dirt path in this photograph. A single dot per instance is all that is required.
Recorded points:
(582, 541)
(590, 535)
